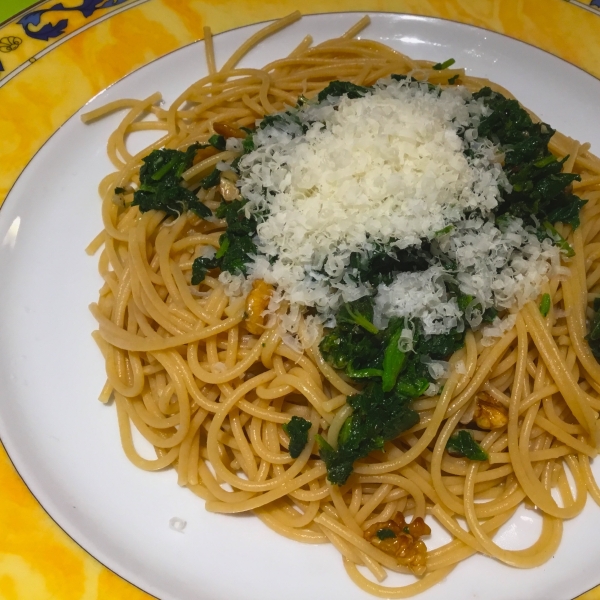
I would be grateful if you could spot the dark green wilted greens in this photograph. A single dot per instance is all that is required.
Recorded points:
(218, 141)
(160, 183)
(343, 88)
(236, 242)
(211, 180)
(462, 443)
(358, 351)
(384, 263)
(540, 192)
(200, 266)
(393, 361)
(297, 428)
(359, 312)
(377, 418)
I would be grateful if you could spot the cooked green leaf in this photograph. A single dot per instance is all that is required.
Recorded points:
(359, 312)
(200, 266)
(218, 141)
(377, 417)
(444, 65)
(393, 358)
(462, 443)
(343, 88)
(540, 191)
(161, 183)
(297, 428)
(211, 180)
(236, 243)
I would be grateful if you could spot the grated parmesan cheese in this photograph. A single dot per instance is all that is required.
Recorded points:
(385, 169)
(390, 169)
(422, 295)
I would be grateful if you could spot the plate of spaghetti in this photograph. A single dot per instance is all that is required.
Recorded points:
(348, 323)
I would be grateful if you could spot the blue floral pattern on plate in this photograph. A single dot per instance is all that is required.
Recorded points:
(51, 30)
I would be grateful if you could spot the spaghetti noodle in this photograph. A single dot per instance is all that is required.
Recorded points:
(187, 371)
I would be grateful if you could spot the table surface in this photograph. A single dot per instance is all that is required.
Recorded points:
(38, 561)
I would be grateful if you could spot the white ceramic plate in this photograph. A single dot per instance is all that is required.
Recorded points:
(65, 443)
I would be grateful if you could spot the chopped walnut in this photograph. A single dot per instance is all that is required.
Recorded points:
(401, 540)
(228, 190)
(256, 303)
(489, 413)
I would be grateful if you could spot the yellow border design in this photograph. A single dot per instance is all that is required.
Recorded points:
(38, 561)
(30, 49)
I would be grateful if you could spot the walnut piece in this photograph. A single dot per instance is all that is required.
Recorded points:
(401, 540)
(228, 190)
(489, 413)
(256, 303)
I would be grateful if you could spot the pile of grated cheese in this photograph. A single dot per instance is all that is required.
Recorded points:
(389, 169)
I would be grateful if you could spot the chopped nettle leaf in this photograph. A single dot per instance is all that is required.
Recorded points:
(444, 65)
(280, 119)
(539, 188)
(161, 183)
(218, 141)
(545, 305)
(200, 266)
(359, 312)
(343, 88)
(409, 79)
(120, 190)
(377, 418)
(236, 243)
(385, 534)
(384, 263)
(440, 347)
(490, 315)
(224, 240)
(297, 428)
(211, 180)
(352, 348)
(364, 355)
(248, 144)
(453, 79)
(393, 357)
(462, 443)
